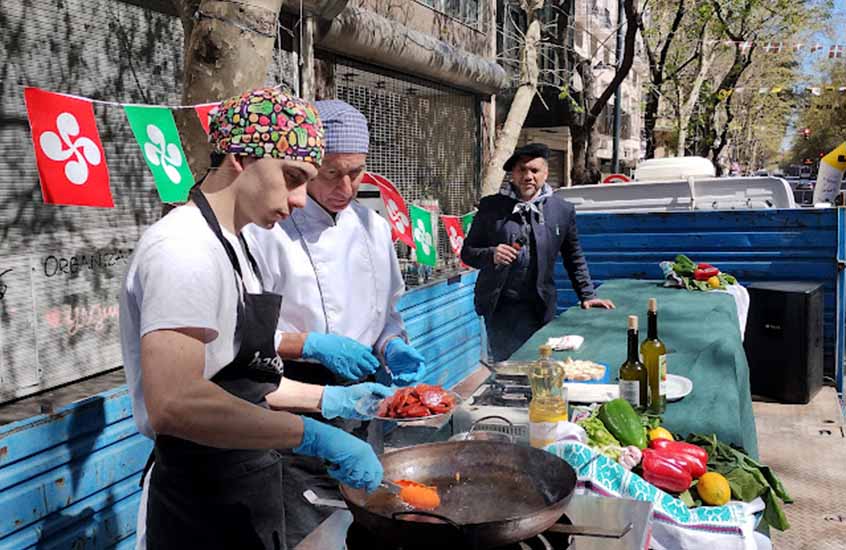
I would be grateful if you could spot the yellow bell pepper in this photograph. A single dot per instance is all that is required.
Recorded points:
(714, 282)
(660, 433)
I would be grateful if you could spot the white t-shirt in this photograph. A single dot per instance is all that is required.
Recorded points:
(181, 277)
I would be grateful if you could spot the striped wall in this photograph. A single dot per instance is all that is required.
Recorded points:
(69, 480)
(772, 245)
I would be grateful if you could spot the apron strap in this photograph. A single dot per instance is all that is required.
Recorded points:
(147, 466)
(206, 210)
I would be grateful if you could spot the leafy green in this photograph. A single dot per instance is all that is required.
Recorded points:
(599, 437)
(747, 478)
(650, 421)
(684, 267)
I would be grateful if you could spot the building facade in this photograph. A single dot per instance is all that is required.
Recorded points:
(423, 73)
(588, 33)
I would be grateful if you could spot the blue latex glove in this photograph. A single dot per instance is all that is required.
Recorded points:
(340, 400)
(343, 356)
(353, 461)
(407, 366)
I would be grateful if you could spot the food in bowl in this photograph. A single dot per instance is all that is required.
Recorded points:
(578, 369)
(416, 402)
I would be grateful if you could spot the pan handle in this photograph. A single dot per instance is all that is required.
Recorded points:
(444, 519)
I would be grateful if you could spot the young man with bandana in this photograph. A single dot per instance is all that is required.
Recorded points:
(199, 341)
(514, 241)
(334, 260)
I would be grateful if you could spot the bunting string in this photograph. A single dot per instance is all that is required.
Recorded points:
(73, 171)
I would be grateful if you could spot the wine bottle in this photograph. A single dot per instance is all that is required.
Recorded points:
(634, 384)
(653, 353)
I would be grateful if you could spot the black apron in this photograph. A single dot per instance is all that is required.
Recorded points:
(208, 498)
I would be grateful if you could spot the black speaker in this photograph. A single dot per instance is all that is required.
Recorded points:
(784, 340)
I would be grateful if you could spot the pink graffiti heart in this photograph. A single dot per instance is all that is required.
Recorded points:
(53, 318)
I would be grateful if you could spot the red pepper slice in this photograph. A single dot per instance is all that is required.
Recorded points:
(704, 266)
(664, 473)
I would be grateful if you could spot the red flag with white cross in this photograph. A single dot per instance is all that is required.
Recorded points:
(455, 232)
(203, 114)
(68, 151)
(398, 215)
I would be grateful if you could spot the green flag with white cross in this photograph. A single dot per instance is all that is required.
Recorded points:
(156, 133)
(466, 221)
(423, 233)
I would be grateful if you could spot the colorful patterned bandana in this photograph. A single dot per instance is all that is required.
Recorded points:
(267, 122)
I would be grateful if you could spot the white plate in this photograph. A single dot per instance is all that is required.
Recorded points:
(678, 387)
(591, 393)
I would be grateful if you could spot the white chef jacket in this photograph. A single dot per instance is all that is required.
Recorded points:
(336, 276)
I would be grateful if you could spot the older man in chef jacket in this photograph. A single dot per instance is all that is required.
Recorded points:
(335, 266)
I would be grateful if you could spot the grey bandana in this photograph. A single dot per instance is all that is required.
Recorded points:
(525, 207)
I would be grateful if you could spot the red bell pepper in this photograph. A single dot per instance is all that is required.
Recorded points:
(690, 463)
(692, 458)
(701, 274)
(703, 265)
(665, 473)
(681, 447)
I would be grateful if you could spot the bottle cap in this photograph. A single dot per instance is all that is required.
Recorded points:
(632, 322)
(545, 350)
(653, 305)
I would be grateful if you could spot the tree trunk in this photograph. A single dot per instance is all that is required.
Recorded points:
(579, 144)
(650, 115)
(228, 49)
(656, 73)
(710, 146)
(508, 137)
(585, 164)
(688, 106)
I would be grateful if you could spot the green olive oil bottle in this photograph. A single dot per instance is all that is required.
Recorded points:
(634, 382)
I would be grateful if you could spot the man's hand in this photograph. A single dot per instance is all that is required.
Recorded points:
(406, 365)
(343, 356)
(599, 303)
(504, 254)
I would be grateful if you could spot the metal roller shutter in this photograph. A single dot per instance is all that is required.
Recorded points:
(424, 137)
(62, 266)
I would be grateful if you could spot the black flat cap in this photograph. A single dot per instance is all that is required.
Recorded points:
(530, 150)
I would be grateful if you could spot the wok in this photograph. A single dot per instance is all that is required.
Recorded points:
(492, 494)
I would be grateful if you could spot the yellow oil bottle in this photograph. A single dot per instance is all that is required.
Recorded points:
(548, 407)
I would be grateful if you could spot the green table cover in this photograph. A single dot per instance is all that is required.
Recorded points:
(701, 332)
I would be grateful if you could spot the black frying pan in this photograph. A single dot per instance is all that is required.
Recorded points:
(492, 494)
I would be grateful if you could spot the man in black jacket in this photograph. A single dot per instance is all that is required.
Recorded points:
(514, 241)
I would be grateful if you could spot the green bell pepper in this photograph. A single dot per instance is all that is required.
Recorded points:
(623, 423)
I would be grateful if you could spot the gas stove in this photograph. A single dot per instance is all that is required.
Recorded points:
(358, 538)
(340, 532)
(505, 396)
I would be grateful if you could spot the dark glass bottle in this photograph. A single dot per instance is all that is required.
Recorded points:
(634, 383)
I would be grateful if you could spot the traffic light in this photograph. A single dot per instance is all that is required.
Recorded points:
(806, 133)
